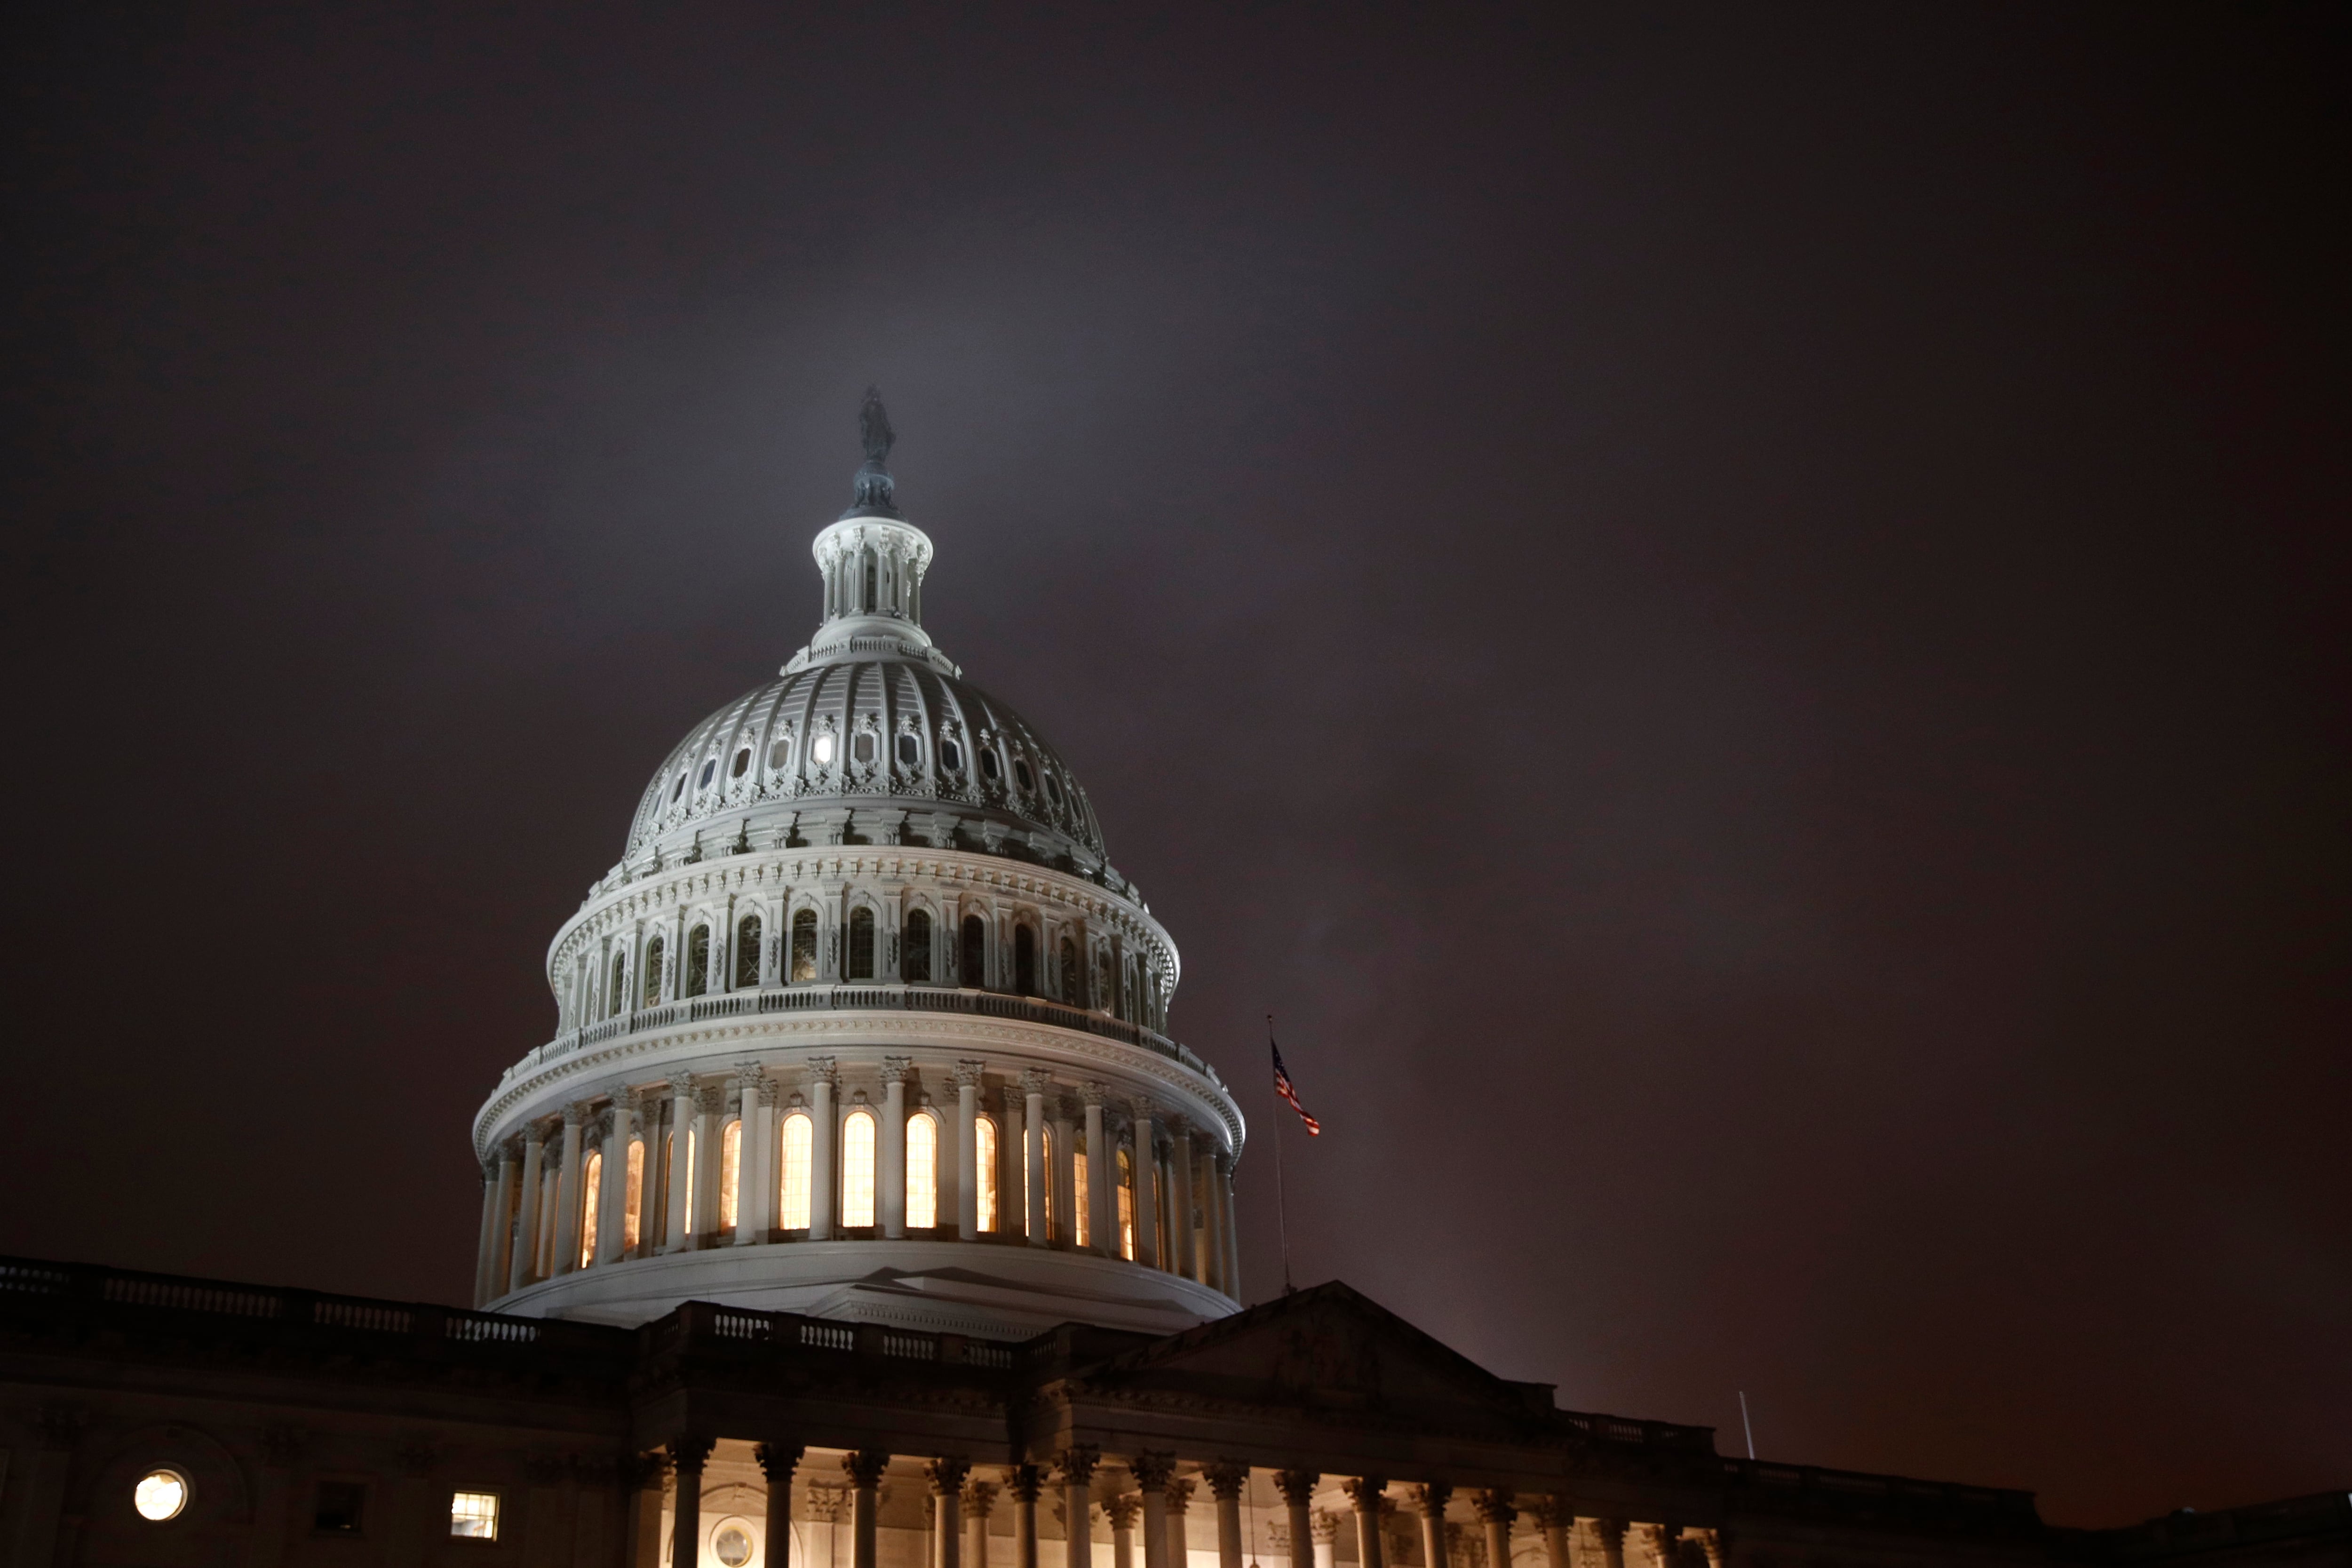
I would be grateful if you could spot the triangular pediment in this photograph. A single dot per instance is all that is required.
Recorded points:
(1327, 1348)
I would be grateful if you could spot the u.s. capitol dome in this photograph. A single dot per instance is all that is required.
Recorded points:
(863, 1023)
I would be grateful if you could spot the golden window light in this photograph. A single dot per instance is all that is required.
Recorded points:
(592, 1177)
(160, 1495)
(922, 1173)
(730, 1172)
(633, 1202)
(858, 1169)
(474, 1516)
(984, 1166)
(795, 1206)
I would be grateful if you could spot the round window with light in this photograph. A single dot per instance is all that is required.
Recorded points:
(160, 1495)
(731, 1544)
(821, 749)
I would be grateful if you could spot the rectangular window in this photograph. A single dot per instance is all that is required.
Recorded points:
(474, 1516)
(730, 1172)
(340, 1505)
(633, 1216)
(1083, 1222)
(985, 1171)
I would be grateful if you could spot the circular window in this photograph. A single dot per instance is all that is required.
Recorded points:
(989, 765)
(743, 762)
(950, 756)
(709, 768)
(822, 750)
(1021, 772)
(731, 1545)
(160, 1495)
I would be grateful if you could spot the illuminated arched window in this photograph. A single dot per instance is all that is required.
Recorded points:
(1126, 1205)
(1025, 961)
(633, 1201)
(922, 1173)
(975, 951)
(592, 1177)
(804, 947)
(1081, 1221)
(730, 1172)
(697, 961)
(984, 1169)
(861, 943)
(798, 1135)
(1045, 1138)
(687, 1207)
(747, 953)
(653, 971)
(615, 995)
(858, 1169)
(1069, 972)
(916, 961)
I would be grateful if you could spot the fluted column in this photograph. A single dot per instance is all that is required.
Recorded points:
(1102, 1171)
(677, 1223)
(946, 1475)
(978, 1499)
(1211, 1257)
(1297, 1489)
(1012, 1163)
(891, 1180)
(1152, 1473)
(1431, 1496)
(865, 1469)
(755, 1190)
(486, 1248)
(710, 1160)
(1364, 1494)
(1024, 1481)
(502, 1221)
(1147, 1188)
(612, 1200)
(1033, 1147)
(1226, 1480)
(567, 1191)
(1121, 1512)
(1063, 1224)
(1179, 1203)
(1496, 1513)
(686, 1457)
(825, 1131)
(1180, 1503)
(967, 1082)
(777, 1462)
(1077, 1467)
(1556, 1518)
(524, 1254)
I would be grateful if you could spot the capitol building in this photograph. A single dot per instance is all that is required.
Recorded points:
(864, 1023)
(861, 1211)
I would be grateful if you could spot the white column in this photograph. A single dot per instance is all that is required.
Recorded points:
(945, 1475)
(1102, 1172)
(979, 1497)
(1152, 1473)
(1180, 1499)
(967, 1082)
(1432, 1496)
(1226, 1480)
(487, 1247)
(1023, 1481)
(1033, 1143)
(1180, 1200)
(777, 1462)
(891, 1180)
(1120, 1512)
(755, 1185)
(1297, 1489)
(1232, 1235)
(1012, 1159)
(678, 1227)
(824, 1132)
(1496, 1513)
(502, 1222)
(1077, 1467)
(1062, 1186)
(524, 1253)
(1147, 1188)
(567, 1191)
(865, 1469)
(1364, 1493)
(612, 1202)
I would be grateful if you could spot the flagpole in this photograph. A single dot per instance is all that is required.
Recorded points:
(1281, 1204)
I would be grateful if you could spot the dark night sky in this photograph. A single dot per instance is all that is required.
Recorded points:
(1736, 617)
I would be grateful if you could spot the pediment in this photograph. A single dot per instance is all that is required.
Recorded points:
(1327, 1348)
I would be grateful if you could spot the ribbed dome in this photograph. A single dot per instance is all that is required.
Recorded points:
(884, 740)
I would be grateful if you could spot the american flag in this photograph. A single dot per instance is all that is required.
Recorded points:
(1282, 1086)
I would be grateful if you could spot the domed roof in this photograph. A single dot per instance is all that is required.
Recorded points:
(883, 740)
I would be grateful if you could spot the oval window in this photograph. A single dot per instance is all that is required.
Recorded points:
(822, 750)
(709, 768)
(780, 754)
(160, 1495)
(1021, 772)
(950, 756)
(911, 751)
(731, 1546)
(987, 763)
(742, 763)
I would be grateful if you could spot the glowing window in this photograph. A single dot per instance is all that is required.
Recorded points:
(922, 1173)
(731, 1544)
(160, 1495)
(915, 956)
(821, 751)
(984, 1169)
(803, 946)
(1081, 1223)
(633, 1205)
(687, 1187)
(730, 1172)
(798, 1130)
(1126, 1205)
(747, 953)
(1045, 1158)
(861, 944)
(474, 1516)
(698, 961)
(858, 1169)
(653, 971)
(592, 1177)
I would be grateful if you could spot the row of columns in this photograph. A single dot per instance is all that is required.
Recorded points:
(962, 1507)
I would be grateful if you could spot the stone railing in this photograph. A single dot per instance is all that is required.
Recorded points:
(703, 1323)
(862, 998)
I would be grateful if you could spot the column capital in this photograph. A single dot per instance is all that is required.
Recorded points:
(1225, 1478)
(969, 1070)
(1366, 1492)
(1179, 1494)
(1036, 1080)
(687, 1454)
(947, 1474)
(711, 1099)
(865, 1467)
(1075, 1464)
(1608, 1532)
(895, 1068)
(979, 1497)
(576, 1113)
(1433, 1497)
(1143, 1105)
(1665, 1541)
(1296, 1487)
(1325, 1525)
(771, 1092)
(1554, 1512)
(749, 1075)
(1024, 1481)
(1094, 1091)
(777, 1460)
(1121, 1510)
(1493, 1505)
(1151, 1471)
(681, 1085)
(820, 1070)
